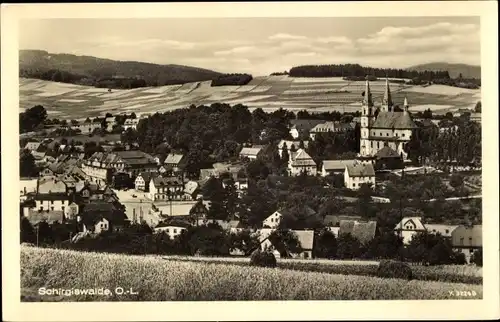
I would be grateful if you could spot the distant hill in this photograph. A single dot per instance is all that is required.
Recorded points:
(467, 71)
(87, 70)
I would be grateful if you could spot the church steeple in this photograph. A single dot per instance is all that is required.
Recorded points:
(387, 100)
(405, 105)
(367, 100)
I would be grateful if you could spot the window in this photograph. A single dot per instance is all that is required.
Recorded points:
(168, 230)
(175, 231)
(446, 231)
(403, 135)
(52, 208)
(462, 241)
(387, 134)
(353, 185)
(102, 225)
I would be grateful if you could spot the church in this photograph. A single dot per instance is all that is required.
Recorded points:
(382, 126)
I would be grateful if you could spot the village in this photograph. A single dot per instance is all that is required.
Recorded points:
(97, 189)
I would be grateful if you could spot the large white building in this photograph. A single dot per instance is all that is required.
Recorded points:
(382, 126)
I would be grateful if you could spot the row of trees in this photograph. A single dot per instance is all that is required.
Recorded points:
(231, 79)
(347, 70)
(212, 240)
(32, 119)
(460, 145)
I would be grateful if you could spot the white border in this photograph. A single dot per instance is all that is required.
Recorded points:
(291, 310)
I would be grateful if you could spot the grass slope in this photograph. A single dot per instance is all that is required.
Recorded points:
(155, 279)
(90, 66)
(68, 101)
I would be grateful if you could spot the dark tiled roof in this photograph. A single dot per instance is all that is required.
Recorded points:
(52, 196)
(333, 220)
(167, 181)
(146, 176)
(360, 170)
(387, 152)
(330, 165)
(396, 120)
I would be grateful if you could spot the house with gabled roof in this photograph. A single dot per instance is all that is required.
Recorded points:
(305, 238)
(388, 159)
(174, 164)
(250, 153)
(100, 216)
(301, 162)
(331, 167)
(143, 179)
(273, 220)
(166, 188)
(32, 146)
(410, 226)
(299, 128)
(329, 127)
(357, 174)
(291, 145)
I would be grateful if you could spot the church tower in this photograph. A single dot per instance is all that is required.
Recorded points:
(387, 105)
(367, 118)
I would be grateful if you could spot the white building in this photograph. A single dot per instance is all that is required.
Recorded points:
(273, 220)
(410, 226)
(171, 231)
(358, 173)
(130, 124)
(289, 144)
(301, 162)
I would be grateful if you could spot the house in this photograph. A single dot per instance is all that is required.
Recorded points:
(362, 231)
(52, 184)
(130, 124)
(410, 226)
(251, 153)
(110, 123)
(100, 216)
(220, 168)
(332, 127)
(291, 146)
(467, 239)
(300, 128)
(190, 190)
(47, 202)
(32, 146)
(358, 173)
(85, 127)
(166, 188)
(143, 179)
(28, 186)
(475, 117)
(101, 165)
(174, 163)
(72, 211)
(300, 162)
(171, 230)
(274, 219)
(200, 209)
(331, 167)
(305, 238)
(388, 159)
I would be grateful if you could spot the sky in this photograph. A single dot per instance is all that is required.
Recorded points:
(260, 46)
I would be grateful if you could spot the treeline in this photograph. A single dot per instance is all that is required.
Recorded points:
(355, 70)
(231, 79)
(459, 145)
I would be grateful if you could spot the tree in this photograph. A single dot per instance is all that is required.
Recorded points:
(427, 114)
(325, 244)
(244, 241)
(364, 195)
(348, 247)
(257, 170)
(27, 167)
(28, 234)
(456, 180)
(32, 118)
(286, 242)
(477, 109)
(477, 257)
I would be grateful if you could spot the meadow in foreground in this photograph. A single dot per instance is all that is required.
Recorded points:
(442, 273)
(156, 279)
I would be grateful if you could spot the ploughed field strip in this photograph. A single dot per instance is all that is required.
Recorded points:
(69, 101)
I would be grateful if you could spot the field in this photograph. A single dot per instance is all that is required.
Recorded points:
(155, 279)
(70, 101)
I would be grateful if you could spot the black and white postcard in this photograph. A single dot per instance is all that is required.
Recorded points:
(260, 161)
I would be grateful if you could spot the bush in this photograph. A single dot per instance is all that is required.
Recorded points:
(477, 257)
(263, 259)
(394, 269)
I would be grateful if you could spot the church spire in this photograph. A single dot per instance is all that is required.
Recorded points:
(405, 105)
(387, 100)
(367, 100)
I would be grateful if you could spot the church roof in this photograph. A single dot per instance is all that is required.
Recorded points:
(367, 100)
(387, 100)
(396, 120)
